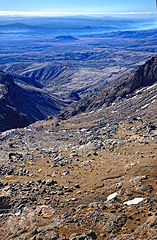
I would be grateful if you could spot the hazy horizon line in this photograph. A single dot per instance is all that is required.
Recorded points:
(59, 14)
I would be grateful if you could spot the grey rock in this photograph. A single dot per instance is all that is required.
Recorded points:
(82, 237)
(147, 188)
(66, 172)
(91, 234)
(34, 231)
(81, 207)
(69, 220)
(119, 185)
(39, 237)
(116, 223)
(74, 155)
(64, 238)
(77, 236)
(39, 181)
(50, 182)
(33, 238)
(54, 237)
(56, 124)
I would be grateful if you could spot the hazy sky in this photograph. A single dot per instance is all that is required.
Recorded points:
(77, 6)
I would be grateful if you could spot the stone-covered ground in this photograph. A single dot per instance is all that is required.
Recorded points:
(65, 180)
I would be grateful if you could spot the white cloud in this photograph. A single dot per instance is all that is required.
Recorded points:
(51, 13)
(24, 13)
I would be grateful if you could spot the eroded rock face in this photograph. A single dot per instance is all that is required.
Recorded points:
(144, 76)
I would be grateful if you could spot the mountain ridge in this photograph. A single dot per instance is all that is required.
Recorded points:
(143, 76)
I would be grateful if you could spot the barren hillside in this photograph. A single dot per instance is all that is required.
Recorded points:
(91, 176)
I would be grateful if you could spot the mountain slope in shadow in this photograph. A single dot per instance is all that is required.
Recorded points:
(22, 106)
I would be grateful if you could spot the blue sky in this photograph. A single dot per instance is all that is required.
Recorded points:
(76, 6)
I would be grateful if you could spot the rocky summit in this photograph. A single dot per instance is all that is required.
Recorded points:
(89, 173)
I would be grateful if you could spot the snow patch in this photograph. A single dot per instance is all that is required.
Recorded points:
(111, 196)
(134, 201)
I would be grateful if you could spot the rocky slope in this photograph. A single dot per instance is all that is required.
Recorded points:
(91, 176)
(79, 181)
(145, 75)
(21, 106)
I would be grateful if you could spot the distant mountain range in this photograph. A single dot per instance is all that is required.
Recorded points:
(39, 24)
(18, 27)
